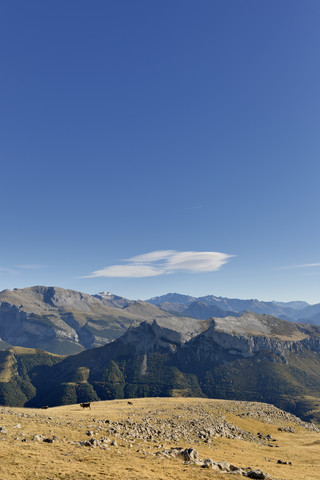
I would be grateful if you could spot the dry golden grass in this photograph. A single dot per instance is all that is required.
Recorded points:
(64, 460)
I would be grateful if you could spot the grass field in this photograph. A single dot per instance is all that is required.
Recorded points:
(23, 457)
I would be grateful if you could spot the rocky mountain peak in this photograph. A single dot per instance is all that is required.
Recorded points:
(162, 334)
(111, 300)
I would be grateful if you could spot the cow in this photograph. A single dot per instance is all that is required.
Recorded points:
(130, 403)
(44, 407)
(85, 405)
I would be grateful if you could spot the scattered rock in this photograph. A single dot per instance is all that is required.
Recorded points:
(258, 474)
(85, 443)
(224, 466)
(286, 429)
(48, 440)
(190, 454)
(233, 468)
(94, 442)
(208, 463)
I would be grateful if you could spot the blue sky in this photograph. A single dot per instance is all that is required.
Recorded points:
(135, 136)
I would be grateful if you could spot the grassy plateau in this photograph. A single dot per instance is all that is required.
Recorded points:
(134, 440)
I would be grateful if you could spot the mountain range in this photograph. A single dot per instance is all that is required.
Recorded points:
(248, 357)
(210, 305)
(60, 346)
(66, 321)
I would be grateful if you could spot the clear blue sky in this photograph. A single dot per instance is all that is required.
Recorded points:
(130, 127)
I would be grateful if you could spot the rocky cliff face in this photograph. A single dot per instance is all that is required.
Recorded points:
(250, 334)
(58, 320)
(19, 327)
(162, 335)
(243, 346)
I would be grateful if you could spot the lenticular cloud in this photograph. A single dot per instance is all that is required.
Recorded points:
(163, 262)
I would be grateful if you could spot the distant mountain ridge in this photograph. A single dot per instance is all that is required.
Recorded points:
(66, 321)
(186, 304)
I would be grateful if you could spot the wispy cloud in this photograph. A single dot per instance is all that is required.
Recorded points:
(302, 265)
(162, 262)
(8, 271)
(30, 266)
(17, 269)
(195, 207)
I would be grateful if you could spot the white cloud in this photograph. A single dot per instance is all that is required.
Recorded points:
(308, 265)
(161, 262)
(303, 265)
(135, 271)
(197, 261)
(152, 256)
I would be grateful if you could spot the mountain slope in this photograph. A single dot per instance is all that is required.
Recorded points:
(18, 369)
(310, 314)
(204, 311)
(185, 300)
(65, 321)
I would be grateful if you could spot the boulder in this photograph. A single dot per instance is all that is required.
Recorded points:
(258, 474)
(190, 454)
(224, 466)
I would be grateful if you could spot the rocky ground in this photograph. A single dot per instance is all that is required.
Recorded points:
(157, 438)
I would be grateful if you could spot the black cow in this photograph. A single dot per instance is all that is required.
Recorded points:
(85, 405)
